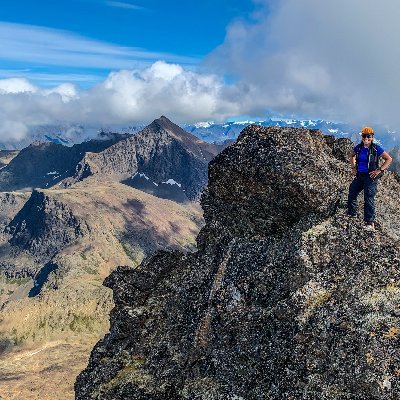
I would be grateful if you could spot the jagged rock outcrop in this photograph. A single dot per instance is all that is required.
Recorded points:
(45, 164)
(286, 297)
(45, 225)
(162, 151)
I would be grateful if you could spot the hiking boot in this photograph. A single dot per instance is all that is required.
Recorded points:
(369, 226)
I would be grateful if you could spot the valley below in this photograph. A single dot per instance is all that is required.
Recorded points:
(61, 239)
(45, 371)
(53, 304)
(51, 318)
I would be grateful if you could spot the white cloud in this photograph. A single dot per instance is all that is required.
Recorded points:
(67, 91)
(16, 85)
(335, 59)
(13, 130)
(125, 96)
(163, 88)
(120, 4)
(164, 72)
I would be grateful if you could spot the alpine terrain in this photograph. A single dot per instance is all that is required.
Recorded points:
(162, 153)
(285, 297)
(59, 241)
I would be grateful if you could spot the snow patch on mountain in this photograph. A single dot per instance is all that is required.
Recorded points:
(141, 175)
(172, 182)
(205, 124)
(243, 122)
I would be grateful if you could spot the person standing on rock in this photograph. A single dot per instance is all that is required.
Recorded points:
(364, 160)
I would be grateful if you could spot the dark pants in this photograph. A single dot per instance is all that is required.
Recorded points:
(362, 181)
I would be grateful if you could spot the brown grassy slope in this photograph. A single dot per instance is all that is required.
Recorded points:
(123, 225)
(45, 372)
(6, 156)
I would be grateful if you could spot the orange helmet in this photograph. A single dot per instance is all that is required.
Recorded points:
(367, 129)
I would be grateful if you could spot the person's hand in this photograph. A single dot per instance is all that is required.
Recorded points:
(374, 174)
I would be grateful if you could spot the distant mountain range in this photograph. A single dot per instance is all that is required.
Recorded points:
(212, 132)
(208, 131)
(66, 134)
(219, 133)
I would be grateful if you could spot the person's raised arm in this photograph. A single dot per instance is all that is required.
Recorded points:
(388, 160)
(385, 165)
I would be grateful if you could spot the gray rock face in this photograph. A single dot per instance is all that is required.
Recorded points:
(45, 164)
(162, 151)
(43, 226)
(286, 298)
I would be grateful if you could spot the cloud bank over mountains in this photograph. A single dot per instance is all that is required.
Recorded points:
(125, 96)
(333, 59)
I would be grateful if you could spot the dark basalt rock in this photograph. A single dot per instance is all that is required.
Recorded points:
(286, 298)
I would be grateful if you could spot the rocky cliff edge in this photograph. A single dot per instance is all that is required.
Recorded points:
(286, 298)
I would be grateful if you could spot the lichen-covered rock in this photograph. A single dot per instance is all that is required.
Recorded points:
(286, 297)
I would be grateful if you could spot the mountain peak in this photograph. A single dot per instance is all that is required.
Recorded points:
(285, 297)
(164, 118)
(165, 123)
(199, 148)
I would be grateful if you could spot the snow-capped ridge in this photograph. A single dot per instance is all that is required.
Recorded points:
(205, 124)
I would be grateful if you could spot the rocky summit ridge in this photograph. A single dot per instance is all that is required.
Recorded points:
(285, 298)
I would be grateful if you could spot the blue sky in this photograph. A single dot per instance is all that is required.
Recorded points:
(121, 62)
(143, 30)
